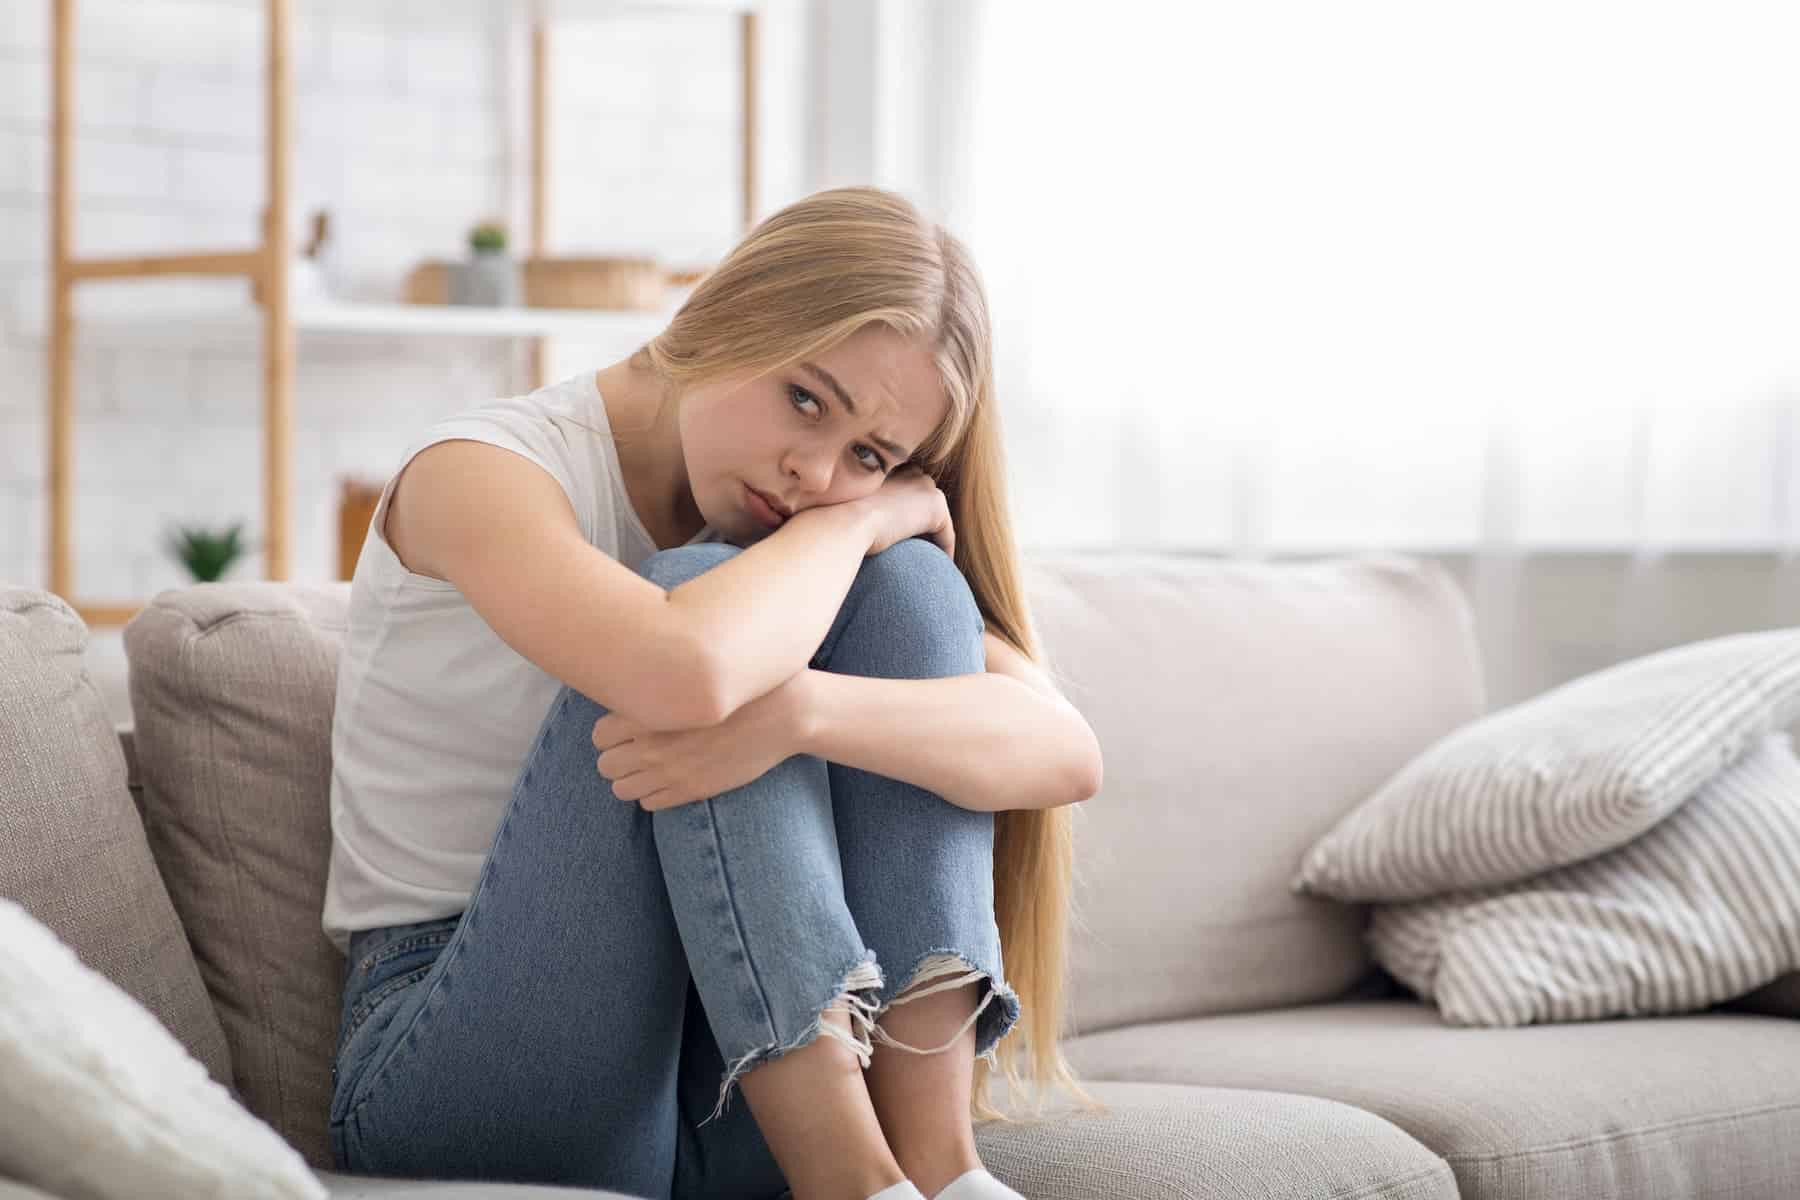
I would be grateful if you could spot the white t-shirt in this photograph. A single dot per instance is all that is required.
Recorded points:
(434, 713)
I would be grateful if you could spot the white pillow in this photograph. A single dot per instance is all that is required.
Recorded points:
(98, 1101)
(1562, 776)
(1702, 909)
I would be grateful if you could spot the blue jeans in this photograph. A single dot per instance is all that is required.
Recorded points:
(584, 1019)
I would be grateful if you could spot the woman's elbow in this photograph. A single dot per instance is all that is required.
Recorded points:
(1090, 775)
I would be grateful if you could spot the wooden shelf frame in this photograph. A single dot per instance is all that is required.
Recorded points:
(267, 266)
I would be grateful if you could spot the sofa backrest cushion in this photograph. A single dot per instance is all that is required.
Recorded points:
(72, 850)
(232, 687)
(1242, 707)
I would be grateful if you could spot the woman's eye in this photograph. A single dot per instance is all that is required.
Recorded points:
(796, 394)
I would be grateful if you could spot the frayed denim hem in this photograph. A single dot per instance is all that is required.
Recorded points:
(865, 976)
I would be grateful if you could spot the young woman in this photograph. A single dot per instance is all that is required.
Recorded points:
(689, 711)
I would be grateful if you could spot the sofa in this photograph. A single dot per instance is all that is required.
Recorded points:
(1239, 1035)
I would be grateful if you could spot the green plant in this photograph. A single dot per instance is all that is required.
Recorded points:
(206, 553)
(488, 237)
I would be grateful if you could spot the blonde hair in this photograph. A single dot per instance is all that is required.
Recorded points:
(803, 280)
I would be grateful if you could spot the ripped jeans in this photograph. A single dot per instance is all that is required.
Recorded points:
(586, 1016)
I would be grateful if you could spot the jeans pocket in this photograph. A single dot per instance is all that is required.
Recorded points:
(433, 937)
(372, 999)
(376, 984)
(363, 1035)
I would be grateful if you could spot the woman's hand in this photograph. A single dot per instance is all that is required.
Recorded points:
(908, 504)
(663, 769)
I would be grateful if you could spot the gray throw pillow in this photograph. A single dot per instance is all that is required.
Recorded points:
(1701, 909)
(72, 850)
(1563, 776)
(232, 686)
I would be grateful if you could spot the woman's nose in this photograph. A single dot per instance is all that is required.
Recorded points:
(813, 471)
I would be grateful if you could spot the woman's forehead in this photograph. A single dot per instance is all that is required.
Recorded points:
(884, 380)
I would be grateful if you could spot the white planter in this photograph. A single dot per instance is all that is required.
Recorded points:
(486, 279)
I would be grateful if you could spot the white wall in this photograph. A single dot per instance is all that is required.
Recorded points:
(1543, 620)
(407, 136)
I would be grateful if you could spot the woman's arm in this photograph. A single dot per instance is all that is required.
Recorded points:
(991, 742)
(762, 611)
(985, 742)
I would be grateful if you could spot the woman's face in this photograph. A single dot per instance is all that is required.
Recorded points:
(792, 435)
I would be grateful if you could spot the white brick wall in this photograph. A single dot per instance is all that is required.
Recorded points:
(407, 136)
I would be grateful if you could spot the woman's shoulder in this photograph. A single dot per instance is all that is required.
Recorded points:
(574, 399)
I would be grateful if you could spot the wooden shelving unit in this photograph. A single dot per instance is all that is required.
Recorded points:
(266, 264)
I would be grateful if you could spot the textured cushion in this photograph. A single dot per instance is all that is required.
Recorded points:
(98, 1102)
(375, 1187)
(72, 850)
(1654, 1108)
(1562, 776)
(1243, 707)
(1159, 1141)
(1704, 907)
(232, 686)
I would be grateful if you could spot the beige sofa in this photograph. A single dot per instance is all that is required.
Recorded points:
(1243, 1040)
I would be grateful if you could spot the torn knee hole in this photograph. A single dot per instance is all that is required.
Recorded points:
(862, 1010)
(938, 973)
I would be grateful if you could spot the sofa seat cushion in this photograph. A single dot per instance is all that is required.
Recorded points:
(72, 850)
(1158, 1140)
(1646, 1108)
(1162, 1140)
(375, 1187)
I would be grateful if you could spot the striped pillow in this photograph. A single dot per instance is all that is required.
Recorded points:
(1562, 776)
(1702, 909)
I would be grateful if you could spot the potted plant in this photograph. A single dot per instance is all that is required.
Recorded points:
(490, 276)
(206, 553)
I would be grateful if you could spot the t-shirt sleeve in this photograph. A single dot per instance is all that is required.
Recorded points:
(530, 435)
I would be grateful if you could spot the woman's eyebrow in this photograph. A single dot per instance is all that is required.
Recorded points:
(850, 406)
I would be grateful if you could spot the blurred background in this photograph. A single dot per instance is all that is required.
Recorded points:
(1516, 288)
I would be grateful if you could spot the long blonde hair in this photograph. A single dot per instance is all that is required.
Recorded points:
(803, 280)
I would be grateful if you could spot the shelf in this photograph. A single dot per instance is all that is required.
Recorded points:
(469, 320)
(190, 313)
(240, 322)
(418, 15)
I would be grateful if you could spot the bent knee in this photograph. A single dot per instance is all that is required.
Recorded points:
(915, 577)
(678, 564)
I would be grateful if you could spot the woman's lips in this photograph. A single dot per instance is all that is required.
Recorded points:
(760, 508)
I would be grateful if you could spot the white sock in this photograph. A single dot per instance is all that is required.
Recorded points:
(904, 1190)
(977, 1185)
